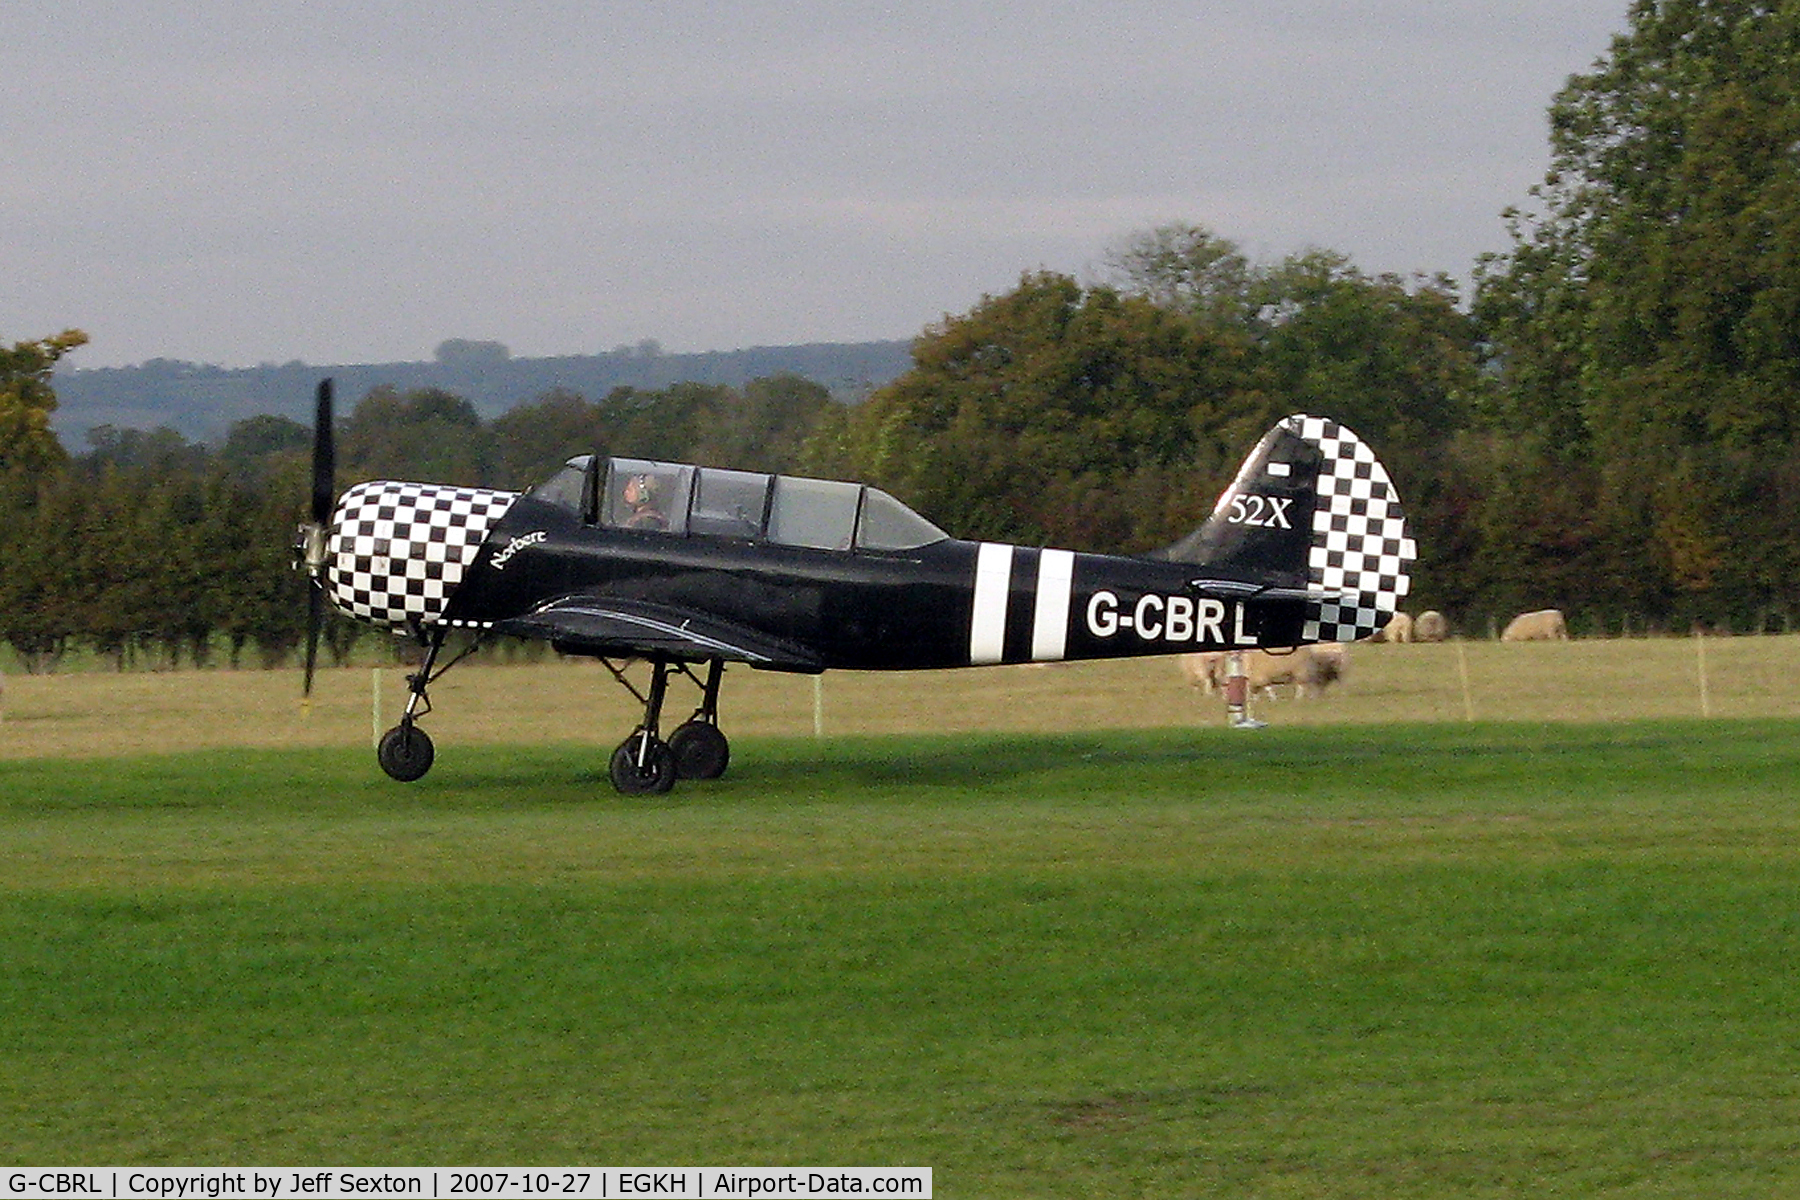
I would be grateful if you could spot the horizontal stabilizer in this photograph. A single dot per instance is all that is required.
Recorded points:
(1237, 589)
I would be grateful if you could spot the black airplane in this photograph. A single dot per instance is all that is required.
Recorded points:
(695, 567)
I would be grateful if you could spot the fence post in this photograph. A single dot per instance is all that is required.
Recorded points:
(1700, 663)
(1462, 670)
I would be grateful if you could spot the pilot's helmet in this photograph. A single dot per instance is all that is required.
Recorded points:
(640, 490)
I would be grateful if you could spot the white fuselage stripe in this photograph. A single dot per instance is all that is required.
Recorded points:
(1050, 619)
(993, 583)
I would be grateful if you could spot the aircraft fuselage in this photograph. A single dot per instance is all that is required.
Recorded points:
(951, 603)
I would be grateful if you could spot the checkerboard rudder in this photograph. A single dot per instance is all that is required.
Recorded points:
(1360, 548)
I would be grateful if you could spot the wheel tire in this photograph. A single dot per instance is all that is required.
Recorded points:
(655, 776)
(701, 751)
(405, 752)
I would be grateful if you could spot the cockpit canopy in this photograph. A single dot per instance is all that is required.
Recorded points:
(630, 493)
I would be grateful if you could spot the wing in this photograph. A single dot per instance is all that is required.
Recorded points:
(610, 627)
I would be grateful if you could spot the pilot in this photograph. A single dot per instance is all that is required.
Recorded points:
(641, 495)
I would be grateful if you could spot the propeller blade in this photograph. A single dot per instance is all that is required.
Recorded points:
(312, 545)
(324, 464)
(315, 614)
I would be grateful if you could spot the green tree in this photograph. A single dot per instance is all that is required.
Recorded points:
(141, 508)
(428, 435)
(42, 591)
(1646, 322)
(1676, 172)
(1397, 363)
(1188, 269)
(253, 597)
(763, 427)
(27, 399)
(258, 445)
(665, 424)
(532, 440)
(1055, 413)
(254, 497)
(162, 452)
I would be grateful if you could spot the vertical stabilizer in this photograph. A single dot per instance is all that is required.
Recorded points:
(1360, 548)
(1311, 510)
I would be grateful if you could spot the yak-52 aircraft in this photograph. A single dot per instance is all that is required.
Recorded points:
(690, 567)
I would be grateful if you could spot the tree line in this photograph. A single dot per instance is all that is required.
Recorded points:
(149, 548)
(1609, 423)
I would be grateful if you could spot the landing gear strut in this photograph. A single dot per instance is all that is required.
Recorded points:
(645, 764)
(701, 751)
(405, 751)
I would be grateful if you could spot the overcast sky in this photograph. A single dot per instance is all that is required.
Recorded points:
(265, 180)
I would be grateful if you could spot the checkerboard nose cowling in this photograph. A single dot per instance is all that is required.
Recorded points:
(399, 549)
(1359, 546)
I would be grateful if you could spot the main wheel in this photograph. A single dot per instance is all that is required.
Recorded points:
(701, 751)
(654, 775)
(405, 752)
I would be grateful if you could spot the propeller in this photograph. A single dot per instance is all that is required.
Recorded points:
(313, 534)
(324, 470)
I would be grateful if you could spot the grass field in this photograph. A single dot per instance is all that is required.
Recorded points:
(1361, 953)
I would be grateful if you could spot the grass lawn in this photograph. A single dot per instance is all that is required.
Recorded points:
(1379, 960)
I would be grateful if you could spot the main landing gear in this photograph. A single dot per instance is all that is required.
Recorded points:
(645, 764)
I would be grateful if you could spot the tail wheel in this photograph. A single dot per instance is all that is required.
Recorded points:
(642, 770)
(405, 752)
(700, 750)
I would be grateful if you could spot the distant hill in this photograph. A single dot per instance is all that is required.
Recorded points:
(202, 402)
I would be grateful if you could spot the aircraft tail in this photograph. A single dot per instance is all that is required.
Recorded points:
(1311, 512)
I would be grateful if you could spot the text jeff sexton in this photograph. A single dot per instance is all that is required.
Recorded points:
(1157, 618)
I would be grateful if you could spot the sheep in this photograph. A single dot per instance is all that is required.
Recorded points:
(1544, 625)
(1431, 627)
(1399, 629)
(1309, 669)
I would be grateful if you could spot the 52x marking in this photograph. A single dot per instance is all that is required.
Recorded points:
(1270, 512)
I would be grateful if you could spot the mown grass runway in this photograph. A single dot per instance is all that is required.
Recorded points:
(1424, 960)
